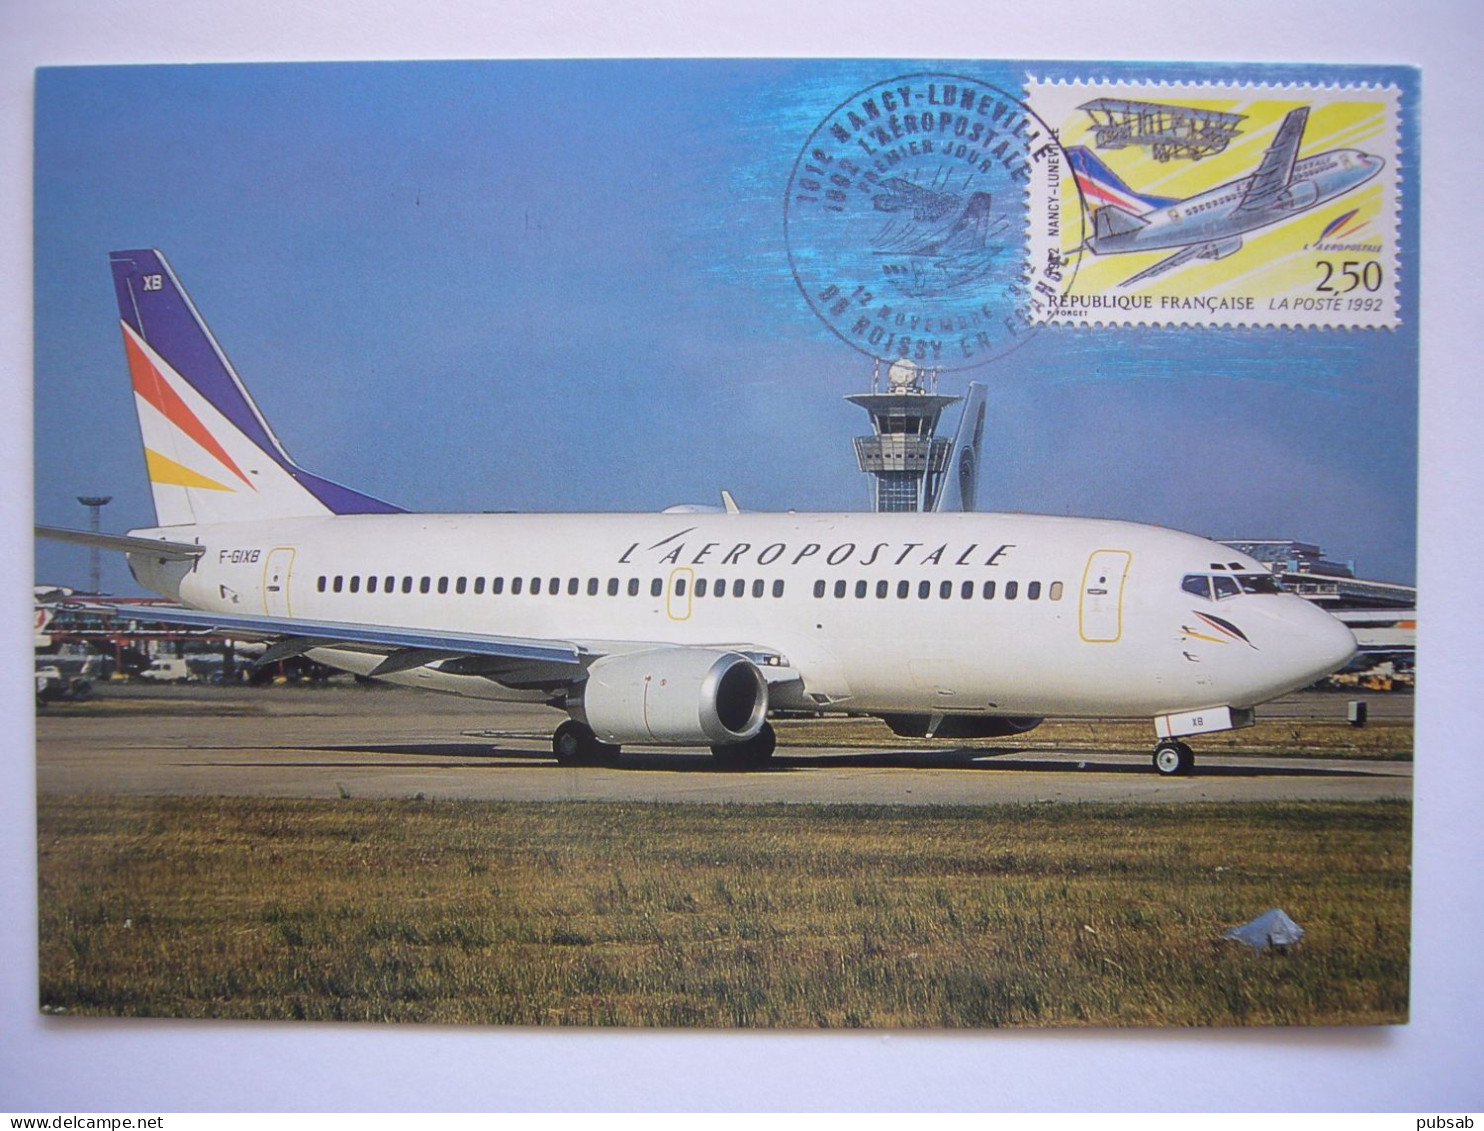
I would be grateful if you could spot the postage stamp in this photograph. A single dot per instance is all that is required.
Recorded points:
(1218, 204)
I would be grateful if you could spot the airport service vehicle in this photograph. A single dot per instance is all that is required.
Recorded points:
(687, 629)
(168, 670)
(1210, 225)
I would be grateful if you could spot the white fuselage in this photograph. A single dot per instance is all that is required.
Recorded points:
(949, 613)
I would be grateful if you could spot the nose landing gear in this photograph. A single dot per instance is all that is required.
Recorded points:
(1173, 758)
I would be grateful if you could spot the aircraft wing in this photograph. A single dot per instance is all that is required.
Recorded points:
(556, 661)
(1276, 170)
(515, 661)
(1169, 263)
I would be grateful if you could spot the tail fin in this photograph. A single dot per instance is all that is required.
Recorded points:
(211, 455)
(1100, 185)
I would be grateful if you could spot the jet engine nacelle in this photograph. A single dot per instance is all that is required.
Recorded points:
(1298, 196)
(674, 696)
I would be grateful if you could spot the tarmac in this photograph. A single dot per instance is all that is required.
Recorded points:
(381, 742)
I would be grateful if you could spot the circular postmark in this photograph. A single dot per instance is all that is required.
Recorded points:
(906, 220)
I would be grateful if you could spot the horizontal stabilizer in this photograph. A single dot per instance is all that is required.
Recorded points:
(124, 543)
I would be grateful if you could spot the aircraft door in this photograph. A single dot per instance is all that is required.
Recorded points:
(276, 582)
(1100, 614)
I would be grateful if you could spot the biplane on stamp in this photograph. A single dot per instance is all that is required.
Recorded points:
(1220, 204)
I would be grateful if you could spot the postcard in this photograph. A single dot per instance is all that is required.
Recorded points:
(788, 544)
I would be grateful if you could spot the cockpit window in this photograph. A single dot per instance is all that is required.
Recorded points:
(1257, 582)
(1218, 587)
(1198, 584)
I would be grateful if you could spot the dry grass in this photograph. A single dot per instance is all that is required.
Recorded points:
(675, 915)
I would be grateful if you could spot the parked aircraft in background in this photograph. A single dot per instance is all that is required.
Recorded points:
(1210, 225)
(686, 629)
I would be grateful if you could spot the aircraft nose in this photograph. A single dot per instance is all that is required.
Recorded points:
(1323, 644)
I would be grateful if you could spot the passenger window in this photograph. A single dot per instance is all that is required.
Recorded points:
(819, 588)
(443, 585)
(989, 590)
(945, 590)
(656, 587)
(860, 589)
(966, 590)
(1033, 591)
(903, 588)
(1011, 589)
(680, 587)
(573, 585)
(516, 584)
(633, 587)
(407, 585)
(1197, 584)
(390, 586)
(321, 584)
(592, 586)
(339, 582)
(535, 586)
(778, 588)
(555, 587)
(425, 585)
(882, 589)
(701, 587)
(1055, 591)
(758, 586)
(478, 585)
(719, 587)
(1225, 587)
(461, 585)
(924, 588)
(739, 588)
(497, 586)
(371, 584)
(613, 587)
(840, 588)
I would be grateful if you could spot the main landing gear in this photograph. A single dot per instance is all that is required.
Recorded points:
(753, 754)
(1173, 758)
(575, 744)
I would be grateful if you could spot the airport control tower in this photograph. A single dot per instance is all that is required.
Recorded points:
(903, 453)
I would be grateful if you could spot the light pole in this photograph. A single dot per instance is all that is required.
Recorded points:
(94, 503)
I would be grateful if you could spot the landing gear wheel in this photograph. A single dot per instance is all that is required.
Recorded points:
(1173, 759)
(753, 754)
(575, 744)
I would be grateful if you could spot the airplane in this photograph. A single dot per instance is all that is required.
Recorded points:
(1211, 224)
(947, 243)
(688, 629)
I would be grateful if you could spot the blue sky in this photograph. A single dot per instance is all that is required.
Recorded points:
(565, 286)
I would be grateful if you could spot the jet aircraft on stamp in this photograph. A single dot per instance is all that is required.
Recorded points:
(688, 629)
(1211, 224)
